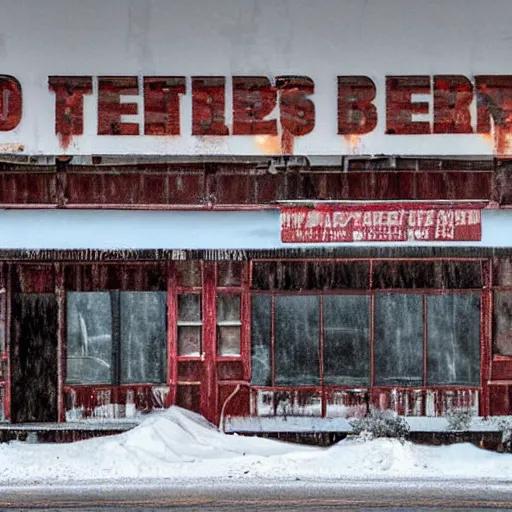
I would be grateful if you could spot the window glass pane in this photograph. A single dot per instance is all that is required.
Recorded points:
(228, 341)
(228, 307)
(297, 340)
(453, 339)
(398, 339)
(261, 310)
(189, 340)
(347, 339)
(228, 335)
(189, 307)
(502, 332)
(229, 273)
(89, 338)
(143, 337)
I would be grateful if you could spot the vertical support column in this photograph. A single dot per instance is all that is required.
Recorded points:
(321, 359)
(209, 388)
(425, 356)
(60, 292)
(245, 333)
(372, 330)
(486, 337)
(172, 334)
(8, 323)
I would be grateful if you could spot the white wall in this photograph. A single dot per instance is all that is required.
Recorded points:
(321, 38)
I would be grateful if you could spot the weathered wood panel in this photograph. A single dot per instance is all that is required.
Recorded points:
(34, 358)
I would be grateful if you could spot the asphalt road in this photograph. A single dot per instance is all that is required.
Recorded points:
(298, 496)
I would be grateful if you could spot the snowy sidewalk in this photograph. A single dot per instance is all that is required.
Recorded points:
(180, 446)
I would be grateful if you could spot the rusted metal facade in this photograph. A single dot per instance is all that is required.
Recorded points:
(210, 298)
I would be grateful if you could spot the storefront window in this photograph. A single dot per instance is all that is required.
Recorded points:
(346, 339)
(503, 323)
(296, 328)
(398, 339)
(453, 330)
(116, 337)
(89, 340)
(261, 332)
(297, 322)
(143, 337)
(381, 337)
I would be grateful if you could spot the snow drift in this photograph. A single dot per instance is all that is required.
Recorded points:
(181, 446)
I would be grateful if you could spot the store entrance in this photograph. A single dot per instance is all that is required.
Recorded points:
(34, 358)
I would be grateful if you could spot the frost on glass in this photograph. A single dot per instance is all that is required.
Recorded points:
(453, 330)
(89, 338)
(502, 331)
(346, 339)
(398, 339)
(189, 308)
(261, 340)
(189, 324)
(297, 321)
(143, 337)
(228, 324)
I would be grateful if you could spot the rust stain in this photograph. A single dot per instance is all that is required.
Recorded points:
(500, 140)
(65, 140)
(269, 144)
(352, 141)
(287, 140)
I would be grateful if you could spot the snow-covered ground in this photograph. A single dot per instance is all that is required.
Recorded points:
(181, 446)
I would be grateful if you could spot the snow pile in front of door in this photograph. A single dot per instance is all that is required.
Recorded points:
(183, 447)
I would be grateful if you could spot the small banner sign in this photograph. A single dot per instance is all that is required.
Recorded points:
(381, 223)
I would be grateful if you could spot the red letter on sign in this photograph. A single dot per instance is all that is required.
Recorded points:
(399, 106)
(297, 110)
(162, 104)
(69, 105)
(10, 103)
(208, 104)
(254, 98)
(357, 114)
(494, 95)
(453, 96)
(494, 101)
(110, 108)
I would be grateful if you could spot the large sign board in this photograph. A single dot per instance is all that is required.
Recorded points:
(256, 77)
(381, 223)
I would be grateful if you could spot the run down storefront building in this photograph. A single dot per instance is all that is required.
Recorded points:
(229, 242)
